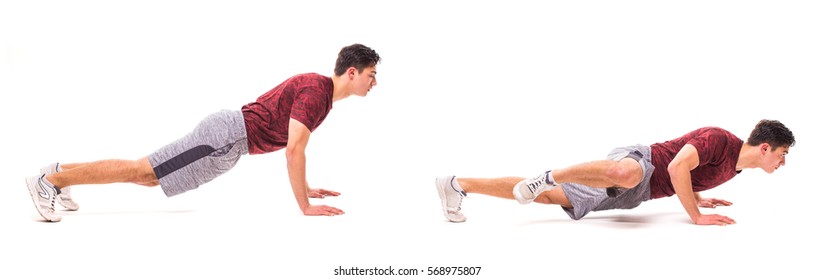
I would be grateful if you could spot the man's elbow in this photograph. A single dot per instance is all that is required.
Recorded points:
(675, 168)
(293, 153)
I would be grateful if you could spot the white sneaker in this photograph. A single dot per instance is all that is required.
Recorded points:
(64, 198)
(527, 190)
(450, 199)
(43, 197)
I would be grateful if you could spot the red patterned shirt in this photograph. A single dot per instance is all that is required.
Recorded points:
(718, 152)
(306, 98)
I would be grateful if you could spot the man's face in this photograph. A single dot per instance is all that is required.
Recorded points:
(773, 159)
(364, 80)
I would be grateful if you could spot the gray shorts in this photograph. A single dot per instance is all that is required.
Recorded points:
(585, 199)
(211, 149)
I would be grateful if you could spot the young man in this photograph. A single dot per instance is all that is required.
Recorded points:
(284, 117)
(697, 161)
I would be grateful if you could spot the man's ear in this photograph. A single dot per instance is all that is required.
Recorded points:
(352, 71)
(765, 147)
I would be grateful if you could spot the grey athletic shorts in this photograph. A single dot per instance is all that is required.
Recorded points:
(585, 199)
(211, 149)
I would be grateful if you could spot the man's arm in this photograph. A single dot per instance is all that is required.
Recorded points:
(679, 169)
(296, 164)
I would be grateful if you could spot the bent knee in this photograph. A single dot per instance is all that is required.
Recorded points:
(554, 197)
(543, 198)
(626, 173)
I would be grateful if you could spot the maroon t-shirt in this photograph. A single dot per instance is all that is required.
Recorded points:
(718, 153)
(306, 98)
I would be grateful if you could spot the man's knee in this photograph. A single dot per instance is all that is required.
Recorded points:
(625, 173)
(554, 197)
(145, 174)
(543, 198)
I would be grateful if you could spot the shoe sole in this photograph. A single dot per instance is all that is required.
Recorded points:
(516, 192)
(443, 196)
(30, 183)
(67, 207)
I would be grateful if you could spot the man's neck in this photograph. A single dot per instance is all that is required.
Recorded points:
(340, 91)
(747, 157)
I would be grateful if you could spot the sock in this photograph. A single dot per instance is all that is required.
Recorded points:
(59, 168)
(549, 179)
(48, 183)
(457, 187)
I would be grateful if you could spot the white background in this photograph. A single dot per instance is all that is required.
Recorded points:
(471, 88)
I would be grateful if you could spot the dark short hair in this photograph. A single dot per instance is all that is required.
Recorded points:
(358, 56)
(771, 132)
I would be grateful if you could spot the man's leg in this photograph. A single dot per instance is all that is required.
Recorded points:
(64, 197)
(105, 172)
(625, 173)
(502, 188)
(46, 187)
(452, 191)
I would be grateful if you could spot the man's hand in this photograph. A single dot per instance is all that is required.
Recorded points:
(321, 210)
(321, 193)
(714, 219)
(712, 202)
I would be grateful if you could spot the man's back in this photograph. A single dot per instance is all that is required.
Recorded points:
(718, 151)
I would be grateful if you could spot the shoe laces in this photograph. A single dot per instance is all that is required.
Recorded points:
(533, 186)
(460, 196)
